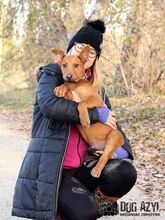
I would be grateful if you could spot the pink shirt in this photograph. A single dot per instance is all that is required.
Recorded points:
(77, 149)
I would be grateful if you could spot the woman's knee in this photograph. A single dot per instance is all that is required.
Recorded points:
(70, 212)
(76, 202)
(118, 177)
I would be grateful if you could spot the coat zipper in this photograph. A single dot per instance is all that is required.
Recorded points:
(61, 166)
(78, 148)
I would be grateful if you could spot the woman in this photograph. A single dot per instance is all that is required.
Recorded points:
(53, 177)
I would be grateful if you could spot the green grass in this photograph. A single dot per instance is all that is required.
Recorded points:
(142, 116)
(146, 113)
(18, 100)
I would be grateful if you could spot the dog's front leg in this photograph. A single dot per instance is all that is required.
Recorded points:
(89, 103)
(61, 90)
(83, 114)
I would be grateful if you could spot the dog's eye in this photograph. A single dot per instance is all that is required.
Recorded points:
(64, 65)
(76, 65)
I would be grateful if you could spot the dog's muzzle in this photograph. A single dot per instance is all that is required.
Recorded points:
(69, 77)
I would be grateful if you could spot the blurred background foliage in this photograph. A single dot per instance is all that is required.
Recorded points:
(133, 51)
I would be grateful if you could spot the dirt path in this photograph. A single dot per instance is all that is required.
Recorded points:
(13, 145)
(12, 149)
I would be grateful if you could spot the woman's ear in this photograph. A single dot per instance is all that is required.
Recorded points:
(58, 54)
(84, 54)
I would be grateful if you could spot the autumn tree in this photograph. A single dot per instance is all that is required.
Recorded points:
(132, 57)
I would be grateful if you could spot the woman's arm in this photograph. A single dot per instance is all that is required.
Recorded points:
(54, 107)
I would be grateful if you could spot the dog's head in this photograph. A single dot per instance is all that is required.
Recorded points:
(72, 66)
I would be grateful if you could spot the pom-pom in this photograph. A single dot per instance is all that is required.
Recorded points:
(97, 24)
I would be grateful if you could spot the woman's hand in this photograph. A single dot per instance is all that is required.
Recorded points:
(107, 117)
(112, 121)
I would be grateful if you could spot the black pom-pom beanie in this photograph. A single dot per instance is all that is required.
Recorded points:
(91, 33)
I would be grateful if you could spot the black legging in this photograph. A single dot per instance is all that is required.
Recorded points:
(76, 199)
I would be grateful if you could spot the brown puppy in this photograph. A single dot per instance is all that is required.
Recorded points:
(80, 90)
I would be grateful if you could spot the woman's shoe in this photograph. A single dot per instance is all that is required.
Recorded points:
(106, 207)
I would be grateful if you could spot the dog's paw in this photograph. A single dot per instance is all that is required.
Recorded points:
(85, 122)
(60, 91)
(95, 172)
(83, 114)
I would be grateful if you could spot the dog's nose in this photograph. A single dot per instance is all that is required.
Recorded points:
(69, 77)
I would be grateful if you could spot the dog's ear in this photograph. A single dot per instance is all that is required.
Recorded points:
(59, 54)
(84, 54)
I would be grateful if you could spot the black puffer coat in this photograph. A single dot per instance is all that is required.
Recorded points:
(37, 186)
